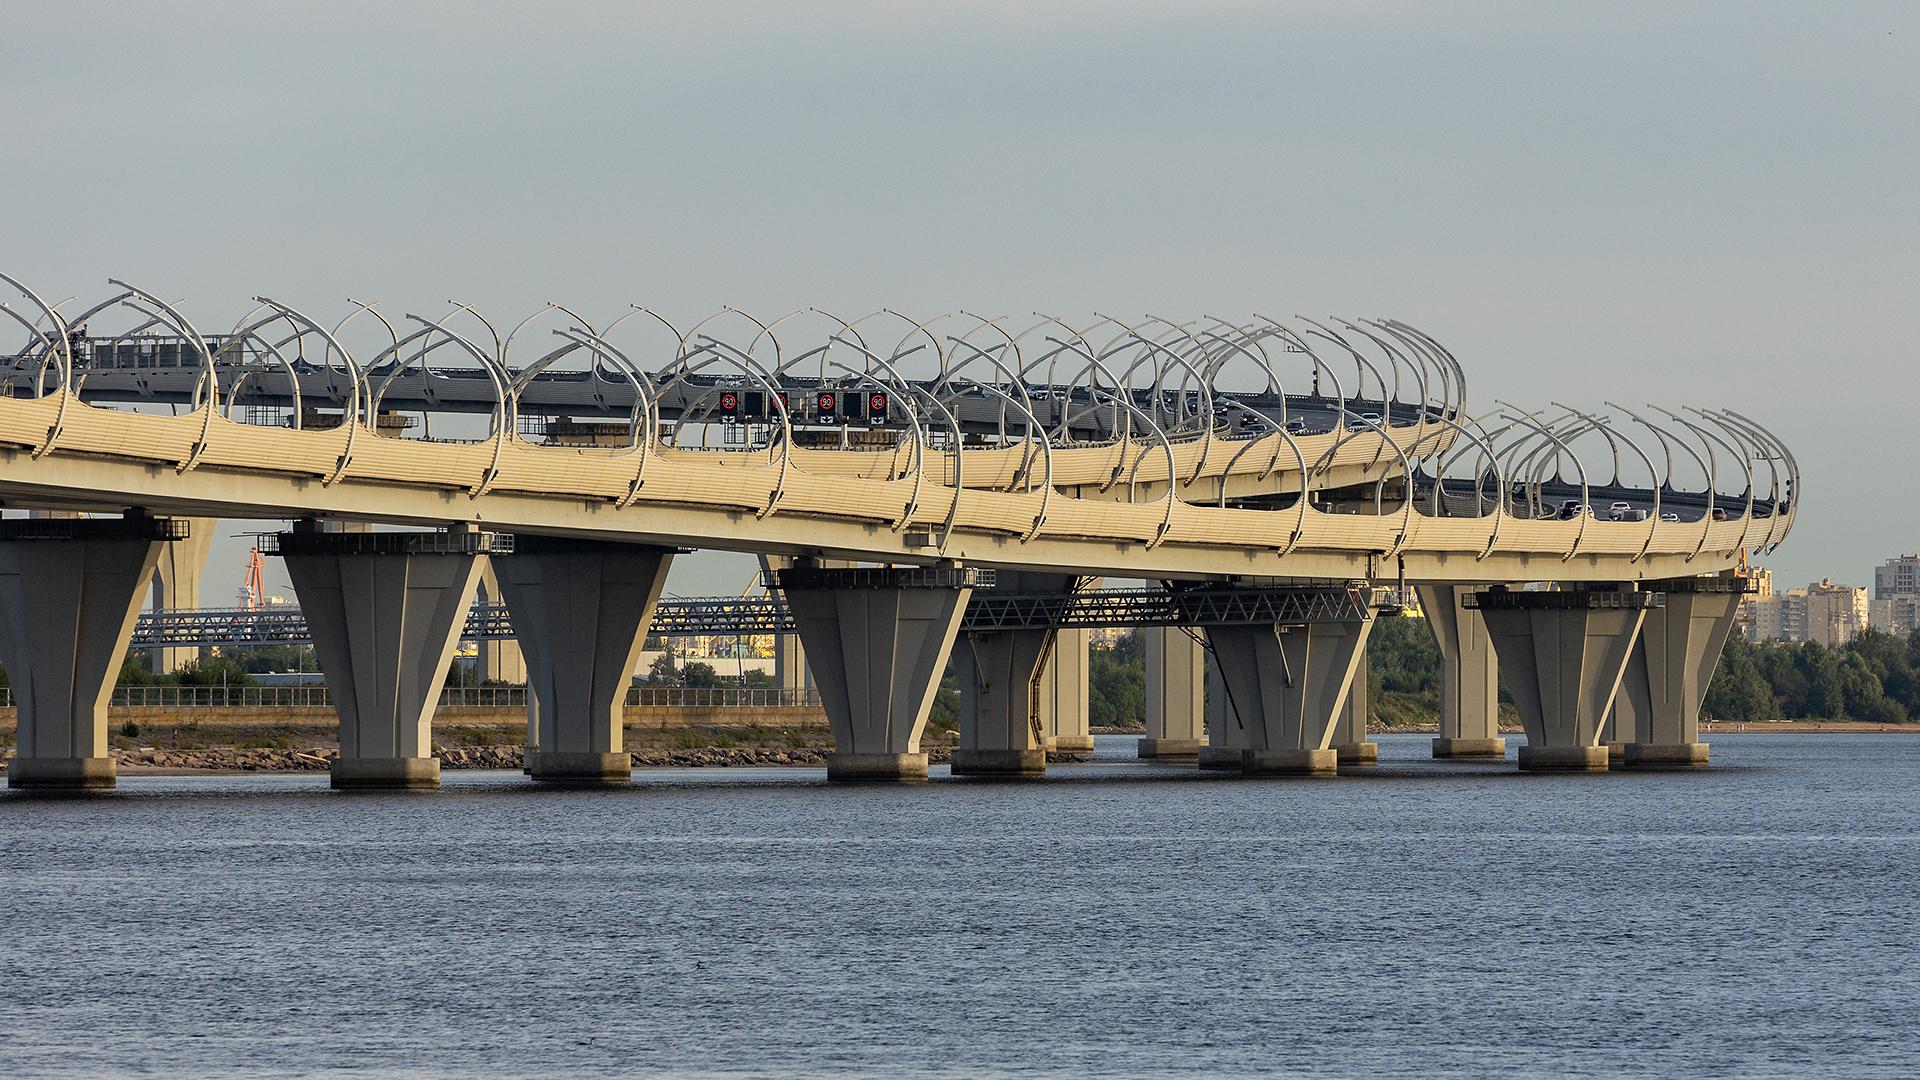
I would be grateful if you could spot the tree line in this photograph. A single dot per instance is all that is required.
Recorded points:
(1873, 678)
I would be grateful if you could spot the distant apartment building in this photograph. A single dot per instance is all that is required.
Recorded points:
(1896, 596)
(1745, 619)
(1823, 613)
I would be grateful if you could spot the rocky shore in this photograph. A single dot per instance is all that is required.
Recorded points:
(319, 759)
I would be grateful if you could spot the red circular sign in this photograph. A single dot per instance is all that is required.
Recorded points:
(728, 401)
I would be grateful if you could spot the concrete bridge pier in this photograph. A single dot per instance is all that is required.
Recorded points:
(1564, 654)
(1002, 675)
(1063, 695)
(580, 609)
(1227, 739)
(1657, 712)
(70, 590)
(385, 611)
(176, 584)
(1176, 703)
(1469, 676)
(877, 641)
(1350, 743)
(1288, 685)
(500, 659)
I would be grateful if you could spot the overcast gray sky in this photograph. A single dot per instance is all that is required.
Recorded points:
(1705, 203)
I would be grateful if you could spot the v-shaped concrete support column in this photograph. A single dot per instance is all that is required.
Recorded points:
(580, 611)
(1469, 676)
(1562, 655)
(385, 611)
(877, 642)
(1002, 732)
(70, 590)
(1287, 686)
(1657, 712)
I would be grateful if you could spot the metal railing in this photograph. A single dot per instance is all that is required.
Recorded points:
(317, 695)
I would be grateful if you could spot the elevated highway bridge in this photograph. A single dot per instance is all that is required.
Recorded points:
(881, 466)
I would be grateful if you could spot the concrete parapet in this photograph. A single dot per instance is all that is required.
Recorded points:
(1665, 756)
(1291, 763)
(575, 767)
(1563, 758)
(1168, 749)
(999, 762)
(385, 773)
(62, 774)
(1469, 748)
(876, 766)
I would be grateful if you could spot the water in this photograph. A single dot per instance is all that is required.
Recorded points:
(1116, 919)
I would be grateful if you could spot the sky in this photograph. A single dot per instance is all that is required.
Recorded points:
(1709, 204)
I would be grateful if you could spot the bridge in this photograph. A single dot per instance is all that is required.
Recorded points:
(896, 475)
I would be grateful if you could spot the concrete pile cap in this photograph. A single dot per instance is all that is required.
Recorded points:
(463, 542)
(131, 527)
(1501, 599)
(881, 577)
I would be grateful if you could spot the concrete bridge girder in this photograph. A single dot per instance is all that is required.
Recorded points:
(585, 607)
(77, 482)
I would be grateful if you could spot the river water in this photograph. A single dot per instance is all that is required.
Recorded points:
(1116, 919)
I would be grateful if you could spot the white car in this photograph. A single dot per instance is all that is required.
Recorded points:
(1618, 511)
